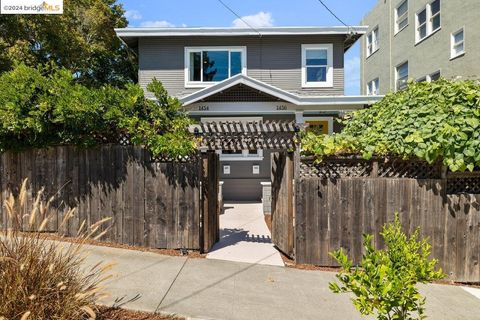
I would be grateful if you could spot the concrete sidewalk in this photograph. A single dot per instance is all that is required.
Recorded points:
(215, 289)
(244, 236)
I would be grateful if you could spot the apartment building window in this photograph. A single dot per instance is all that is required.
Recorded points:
(458, 43)
(317, 65)
(401, 15)
(401, 76)
(204, 66)
(372, 41)
(373, 87)
(430, 77)
(434, 76)
(422, 79)
(428, 20)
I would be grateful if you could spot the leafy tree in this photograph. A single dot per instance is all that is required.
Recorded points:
(81, 40)
(436, 121)
(41, 107)
(385, 281)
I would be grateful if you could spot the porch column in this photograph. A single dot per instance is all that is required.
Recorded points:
(299, 117)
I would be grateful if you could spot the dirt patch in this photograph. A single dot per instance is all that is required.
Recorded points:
(105, 313)
(168, 252)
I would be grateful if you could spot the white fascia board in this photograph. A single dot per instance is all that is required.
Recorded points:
(338, 100)
(171, 32)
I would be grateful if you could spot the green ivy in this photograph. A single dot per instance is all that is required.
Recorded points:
(41, 108)
(385, 281)
(436, 121)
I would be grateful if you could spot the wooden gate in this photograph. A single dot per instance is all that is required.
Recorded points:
(283, 169)
(210, 227)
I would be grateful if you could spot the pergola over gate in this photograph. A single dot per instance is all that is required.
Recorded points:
(243, 135)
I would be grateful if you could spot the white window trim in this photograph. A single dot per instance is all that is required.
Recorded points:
(328, 119)
(428, 22)
(401, 18)
(375, 88)
(374, 44)
(318, 84)
(396, 73)
(454, 55)
(201, 84)
(245, 156)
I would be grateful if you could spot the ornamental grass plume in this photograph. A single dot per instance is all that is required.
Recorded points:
(44, 279)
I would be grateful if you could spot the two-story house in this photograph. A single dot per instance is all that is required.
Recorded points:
(420, 40)
(278, 73)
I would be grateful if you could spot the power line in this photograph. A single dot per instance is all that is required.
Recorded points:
(333, 14)
(239, 17)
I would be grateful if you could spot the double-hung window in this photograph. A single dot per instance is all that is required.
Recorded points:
(373, 87)
(458, 43)
(401, 16)
(428, 20)
(205, 66)
(401, 76)
(372, 42)
(317, 65)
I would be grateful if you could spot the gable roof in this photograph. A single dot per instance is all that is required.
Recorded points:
(279, 94)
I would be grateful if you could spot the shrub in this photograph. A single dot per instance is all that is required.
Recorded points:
(40, 107)
(385, 281)
(41, 279)
(436, 121)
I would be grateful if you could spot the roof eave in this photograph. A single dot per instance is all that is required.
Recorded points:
(169, 32)
(278, 93)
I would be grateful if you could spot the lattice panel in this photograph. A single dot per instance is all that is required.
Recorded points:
(330, 169)
(241, 93)
(409, 169)
(456, 185)
(124, 140)
(185, 159)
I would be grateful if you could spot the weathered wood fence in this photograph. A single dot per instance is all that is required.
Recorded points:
(151, 203)
(282, 201)
(339, 199)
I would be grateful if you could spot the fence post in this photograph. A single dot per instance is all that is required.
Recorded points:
(209, 195)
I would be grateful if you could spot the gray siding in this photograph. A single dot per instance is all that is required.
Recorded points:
(241, 184)
(428, 56)
(275, 60)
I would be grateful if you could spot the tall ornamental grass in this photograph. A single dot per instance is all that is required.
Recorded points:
(40, 278)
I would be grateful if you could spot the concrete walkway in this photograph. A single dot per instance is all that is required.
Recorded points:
(244, 236)
(214, 289)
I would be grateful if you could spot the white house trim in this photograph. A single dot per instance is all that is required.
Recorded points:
(283, 95)
(203, 84)
(207, 32)
(328, 83)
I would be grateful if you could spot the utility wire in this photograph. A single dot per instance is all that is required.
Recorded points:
(336, 17)
(239, 17)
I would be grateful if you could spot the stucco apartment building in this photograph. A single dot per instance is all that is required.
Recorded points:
(420, 40)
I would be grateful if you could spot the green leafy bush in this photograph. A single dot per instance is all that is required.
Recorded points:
(436, 121)
(43, 107)
(385, 281)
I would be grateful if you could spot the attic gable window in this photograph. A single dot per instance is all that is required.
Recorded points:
(317, 65)
(206, 66)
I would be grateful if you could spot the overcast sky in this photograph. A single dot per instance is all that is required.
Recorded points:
(209, 13)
